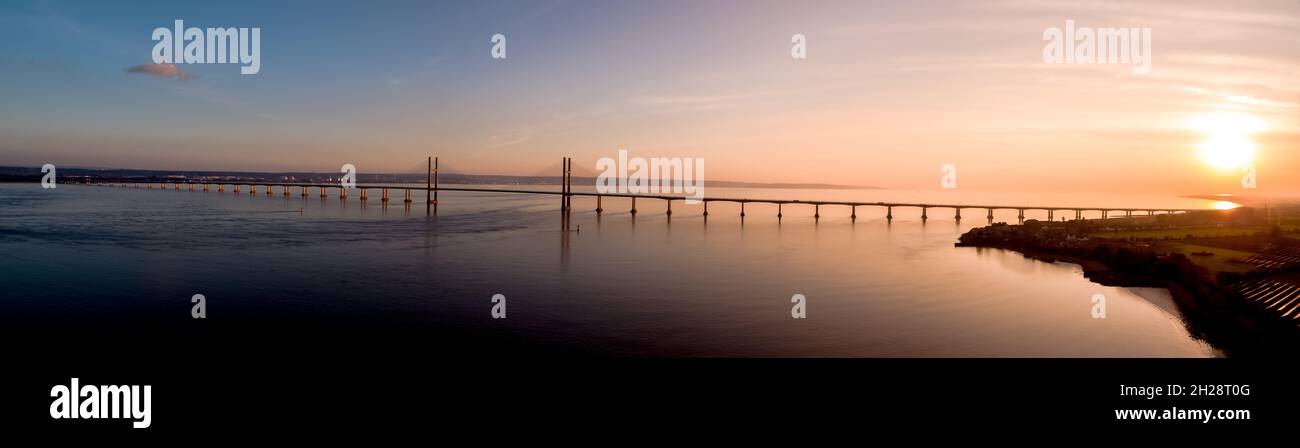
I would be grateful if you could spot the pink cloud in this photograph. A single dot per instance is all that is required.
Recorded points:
(163, 70)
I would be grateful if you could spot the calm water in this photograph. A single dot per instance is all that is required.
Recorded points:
(647, 285)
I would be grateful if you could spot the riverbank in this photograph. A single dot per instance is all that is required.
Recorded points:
(1209, 311)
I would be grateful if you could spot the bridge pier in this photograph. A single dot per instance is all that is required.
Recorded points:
(990, 216)
(742, 209)
(1051, 215)
(409, 199)
(598, 207)
(633, 205)
(923, 214)
(384, 199)
(670, 208)
(817, 211)
(363, 195)
(706, 208)
(191, 187)
(889, 213)
(778, 211)
(304, 191)
(1021, 216)
(958, 217)
(343, 193)
(237, 188)
(853, 214)
(205, 188)
(1104, 215)
(286, 190)
(270, 190)
(178, 186)
(1078, 214)
(252, 190)
(324, 192)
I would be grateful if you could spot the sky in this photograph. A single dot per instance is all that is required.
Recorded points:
(890, 91)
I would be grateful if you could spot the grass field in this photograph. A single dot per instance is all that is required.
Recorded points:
(1203, 232)
(1214, 263)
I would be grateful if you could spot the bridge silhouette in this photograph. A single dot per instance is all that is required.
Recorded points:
(566, 194)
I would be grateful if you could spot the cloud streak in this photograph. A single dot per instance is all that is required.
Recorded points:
(162, 70)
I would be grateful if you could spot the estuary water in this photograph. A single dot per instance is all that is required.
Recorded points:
(610, 284)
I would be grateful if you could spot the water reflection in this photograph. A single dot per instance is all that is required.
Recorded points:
(875, 288)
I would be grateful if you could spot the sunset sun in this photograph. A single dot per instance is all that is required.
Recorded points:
(1227, 142)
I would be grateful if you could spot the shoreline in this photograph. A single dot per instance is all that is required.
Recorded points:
(1207, 311)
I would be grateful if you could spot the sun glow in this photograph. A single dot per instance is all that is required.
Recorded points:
(1227, 144)
(1225, 205)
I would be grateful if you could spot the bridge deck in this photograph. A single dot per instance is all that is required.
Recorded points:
(679, 198)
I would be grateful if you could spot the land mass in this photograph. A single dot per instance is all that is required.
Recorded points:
(84, 175)
(1233, 274)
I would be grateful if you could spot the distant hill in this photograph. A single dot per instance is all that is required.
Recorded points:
(33, 174)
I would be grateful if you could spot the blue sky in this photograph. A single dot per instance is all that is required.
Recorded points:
(889, 92)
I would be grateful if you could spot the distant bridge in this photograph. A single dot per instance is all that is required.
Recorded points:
(431, 197)
(566, 194)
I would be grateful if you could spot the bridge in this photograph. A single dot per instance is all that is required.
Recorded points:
(566, 194)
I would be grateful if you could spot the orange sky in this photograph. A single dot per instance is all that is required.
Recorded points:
(889, 92)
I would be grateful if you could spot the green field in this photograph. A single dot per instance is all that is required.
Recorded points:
(1214, 263)
(1202, 232)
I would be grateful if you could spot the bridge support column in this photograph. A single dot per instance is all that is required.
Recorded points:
(958, 217)
(670, 208)
(853, 214)
(409, 199)
(252, 190)
(178, 187)
(324, 192)
(633, 205)
(779, 213)
(742, 209)
(343, 193)
(270, 190)
(237, 188)
(286, 190)
(1021, 217)
(1128, 213)
(1104, 215)
(817, 211)
(384, 199)
(990, 216)
(706, 208)
(1051, 215)
(304, 191)
(205, 188)
(363, 195)
(598, 207)
(1078, 214)
(889, 213)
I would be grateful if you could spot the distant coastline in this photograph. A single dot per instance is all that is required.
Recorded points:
(33, 174)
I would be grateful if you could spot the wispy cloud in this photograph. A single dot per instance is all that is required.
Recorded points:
(1240, 99)
(162, 70)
